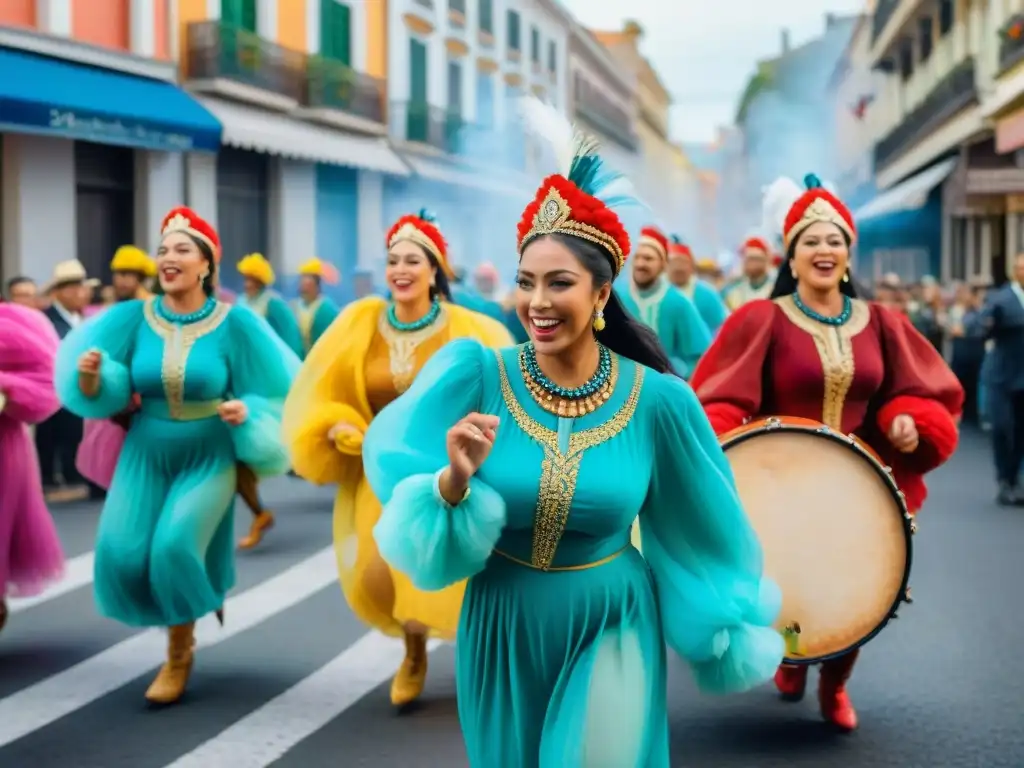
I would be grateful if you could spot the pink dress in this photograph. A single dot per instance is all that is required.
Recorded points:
(31, 556)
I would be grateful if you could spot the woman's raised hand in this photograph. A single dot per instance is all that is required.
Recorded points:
(89, 373)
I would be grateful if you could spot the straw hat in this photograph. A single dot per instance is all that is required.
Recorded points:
(71, 271)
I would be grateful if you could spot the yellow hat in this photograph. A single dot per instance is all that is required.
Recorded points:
(129, 258)
(256, 267)
(322, 269)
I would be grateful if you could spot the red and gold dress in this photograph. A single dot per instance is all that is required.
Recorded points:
(771, 359)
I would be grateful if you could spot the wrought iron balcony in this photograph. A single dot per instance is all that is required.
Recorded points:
(883, 14)
(953, 93)
(605, 116)
(421, 123)
(333, 85)
(218, 50)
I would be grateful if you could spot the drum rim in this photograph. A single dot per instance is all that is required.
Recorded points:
(780, 424)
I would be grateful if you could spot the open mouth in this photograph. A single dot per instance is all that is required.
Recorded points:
(169, 273)
(824, 267)
(401, 284)
(544, 328)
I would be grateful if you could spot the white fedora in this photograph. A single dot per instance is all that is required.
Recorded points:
(70, 271)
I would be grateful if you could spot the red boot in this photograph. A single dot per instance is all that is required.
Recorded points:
(791, 681)
(832, 696)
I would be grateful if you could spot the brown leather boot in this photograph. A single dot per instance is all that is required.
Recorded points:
(832, 696)
(170, 682)
(262, 522)
(412, 675)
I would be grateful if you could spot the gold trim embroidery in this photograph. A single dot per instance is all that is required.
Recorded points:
(649, 307)
(178, 342)
(835, 350)
(560, 471)
(306, 315)
(402, 347)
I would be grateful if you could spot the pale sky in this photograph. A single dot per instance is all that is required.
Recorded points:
(705, 50)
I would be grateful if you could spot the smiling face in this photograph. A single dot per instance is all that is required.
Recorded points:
(821, 256)
(180, 264)
(556, 296)
(409, 273)
(647, 266)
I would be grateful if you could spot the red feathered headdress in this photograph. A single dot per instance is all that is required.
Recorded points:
(416, 229)
(815, 205)
(560, 207)
(182, 219)
(656, 239)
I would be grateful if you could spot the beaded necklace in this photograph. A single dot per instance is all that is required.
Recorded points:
(415, 325)
(563, 401)
(192, 317)
(836, 320)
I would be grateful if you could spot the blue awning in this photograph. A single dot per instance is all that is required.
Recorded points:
(49, 96)
(910, 195)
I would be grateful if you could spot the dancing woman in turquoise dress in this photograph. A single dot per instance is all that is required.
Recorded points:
(523, 470)
(212, 380)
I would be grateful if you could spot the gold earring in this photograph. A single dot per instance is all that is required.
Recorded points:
(846, 277)
(793, 273)
(598, 320)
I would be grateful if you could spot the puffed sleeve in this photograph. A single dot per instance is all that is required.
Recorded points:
(716, 605)
(261, 368)
(282, 320)
(113, 334)
(920, 384)
(28, 346)
(728, 379)
(689, 333)
(404, 453)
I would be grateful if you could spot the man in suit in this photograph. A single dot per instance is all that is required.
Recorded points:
(58, 437)
(1002, 321)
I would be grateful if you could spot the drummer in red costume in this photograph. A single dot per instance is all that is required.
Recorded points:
(816, 351)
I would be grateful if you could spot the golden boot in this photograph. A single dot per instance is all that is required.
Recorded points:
(412, 675)
(263, 521)
(170, 682)
(247, 486)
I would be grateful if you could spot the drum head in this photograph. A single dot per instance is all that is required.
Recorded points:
(833, 533)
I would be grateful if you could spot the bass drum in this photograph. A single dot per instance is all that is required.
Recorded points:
(834, 527)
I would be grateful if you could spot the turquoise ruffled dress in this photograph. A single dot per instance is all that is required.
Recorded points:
(164, 548)
(670, 314)
(566, 667)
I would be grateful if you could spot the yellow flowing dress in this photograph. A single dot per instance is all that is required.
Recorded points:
(354, 370)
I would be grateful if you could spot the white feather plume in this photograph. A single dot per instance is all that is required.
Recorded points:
(545, 122)
(777, 198)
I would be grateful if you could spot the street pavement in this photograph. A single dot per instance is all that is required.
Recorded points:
(294, 681)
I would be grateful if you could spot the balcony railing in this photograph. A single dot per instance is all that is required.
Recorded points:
(421, 123)
(953, 93)
(217, 50)
(883, 14)
(1011, 43)
(449, 132)
(333, 85)
(605, 117)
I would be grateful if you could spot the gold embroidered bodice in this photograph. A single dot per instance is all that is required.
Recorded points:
(395, 357)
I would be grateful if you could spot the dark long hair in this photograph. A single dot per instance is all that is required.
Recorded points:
(623, 333)
(210, 283)
(785, 280)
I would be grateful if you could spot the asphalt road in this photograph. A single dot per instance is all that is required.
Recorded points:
(294, 681)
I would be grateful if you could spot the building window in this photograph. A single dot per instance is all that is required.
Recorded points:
(947, 16)
(486, 9)
(485, 99)
(907, 59)
(454, 88)
(243, 194)
(552, 56)
(240, 14)
(417, 111)
(513, 31)
(336, 31)
(535, 45)
(104, 204)
(925, 36)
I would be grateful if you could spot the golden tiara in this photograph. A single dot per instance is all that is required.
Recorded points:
(554, 217)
